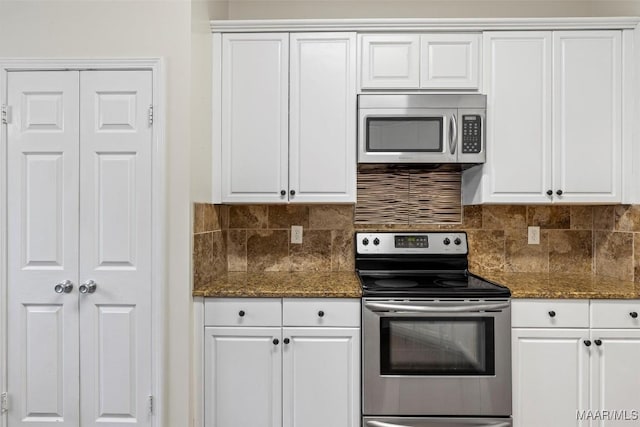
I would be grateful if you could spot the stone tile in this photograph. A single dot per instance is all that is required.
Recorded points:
(284, 216)
(212, 217)
(614, 254)
(268, 250)
(236, 250)
(202, 259)
(603, 217)
(486, 250)
(570, 251)
(248, 216)
(224, 217)
(314, 254)
(636, 257)
(549, 217)
(627, 218)
(581, 217)
(198, 217)
(520, 256)
(499, 217)
(219, 255)
(342, 250)
(331, 217)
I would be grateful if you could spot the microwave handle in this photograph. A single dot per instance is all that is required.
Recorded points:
(453, 134)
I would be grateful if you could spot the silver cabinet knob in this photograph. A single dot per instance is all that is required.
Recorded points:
(88, 287)
(64, 287)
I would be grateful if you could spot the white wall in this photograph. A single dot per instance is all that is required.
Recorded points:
(119, 29)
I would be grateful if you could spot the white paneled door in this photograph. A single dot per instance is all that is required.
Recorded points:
(79, 216)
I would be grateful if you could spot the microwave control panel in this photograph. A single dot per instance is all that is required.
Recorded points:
(471, 133)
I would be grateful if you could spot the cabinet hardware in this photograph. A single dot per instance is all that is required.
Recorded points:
(286, 340)
(4, 402)
(587, 343)
(150, 404)
(241, 313)
(5, 112)
(552, 313)
(321, 313)
(150, 115)
(292, 192)
(559, 192)
(598, 342)
(283, 193)
(634, 314)
(549, 192)
(276, 341)
(64, 287)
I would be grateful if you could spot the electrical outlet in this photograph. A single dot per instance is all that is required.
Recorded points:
(296, 234)
(534, 235)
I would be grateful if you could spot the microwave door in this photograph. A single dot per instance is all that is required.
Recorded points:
(408, 136)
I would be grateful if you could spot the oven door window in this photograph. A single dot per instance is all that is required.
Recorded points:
(405, 134)
(437, 346)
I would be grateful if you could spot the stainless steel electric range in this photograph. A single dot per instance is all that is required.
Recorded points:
(436, 347)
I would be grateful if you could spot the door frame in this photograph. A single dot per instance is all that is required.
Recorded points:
(158, 220)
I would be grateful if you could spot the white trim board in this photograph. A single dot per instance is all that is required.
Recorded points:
(424, 24)
(158, 221)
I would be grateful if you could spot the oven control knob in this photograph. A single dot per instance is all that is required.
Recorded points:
(446, 241)
(376, 241)
(365, 241)
(457, 241)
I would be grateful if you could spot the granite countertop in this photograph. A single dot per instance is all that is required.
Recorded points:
(563, 285)
(325, 284)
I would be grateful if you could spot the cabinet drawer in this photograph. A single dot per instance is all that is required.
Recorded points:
(242, 312)
(615, 314)
(321, 312)
(550, 313)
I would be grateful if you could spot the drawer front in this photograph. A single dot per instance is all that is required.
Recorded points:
(615, 314)
(321, 312)
(550, 313)
(242, 312)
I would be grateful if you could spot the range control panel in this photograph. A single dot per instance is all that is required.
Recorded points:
(471, 133)
(432, 243)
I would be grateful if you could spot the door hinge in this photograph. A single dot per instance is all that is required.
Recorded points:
(150, 115)
(4, 111)
(4, 402)
(150, 405)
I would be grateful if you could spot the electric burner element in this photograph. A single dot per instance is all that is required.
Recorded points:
(396, 283)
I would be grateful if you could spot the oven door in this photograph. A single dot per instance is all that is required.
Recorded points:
(436, 422)
(408, 135)
(445, 358)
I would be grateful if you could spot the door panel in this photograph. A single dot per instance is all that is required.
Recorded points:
(42, 228)
(115, 249)
(243, 369)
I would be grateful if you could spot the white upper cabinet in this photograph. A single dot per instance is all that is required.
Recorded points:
(587, 126)
(414, 61)
(390, 61)
(322, 128)
(288, 124)
(554, 127)
(255, 107)
(449, 61)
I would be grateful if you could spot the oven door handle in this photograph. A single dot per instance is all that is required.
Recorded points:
(384, 424)
(383, 306)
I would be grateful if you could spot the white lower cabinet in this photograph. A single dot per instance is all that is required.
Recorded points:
(302, 371)
(575, 363)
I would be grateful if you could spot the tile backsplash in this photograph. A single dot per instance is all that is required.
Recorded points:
(598, 239)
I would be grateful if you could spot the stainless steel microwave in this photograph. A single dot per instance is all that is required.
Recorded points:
(422, 128)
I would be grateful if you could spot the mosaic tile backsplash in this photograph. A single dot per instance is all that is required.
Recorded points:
(588, 239)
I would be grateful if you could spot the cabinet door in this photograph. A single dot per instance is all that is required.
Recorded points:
(321, 377)
(550, 377)
(616, 374)
(115, 247)
(449, 61)
(322, 119)
(587, 129)
(43, 207)
(390, 61)
(518, 83)
(255, 109)
(243, 377)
